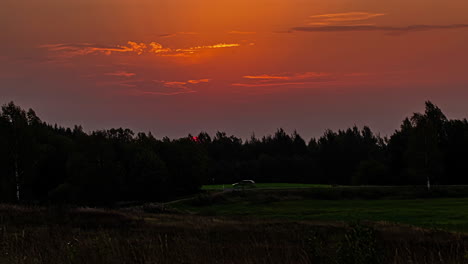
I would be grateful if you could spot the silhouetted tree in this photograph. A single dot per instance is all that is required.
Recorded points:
(43, 162)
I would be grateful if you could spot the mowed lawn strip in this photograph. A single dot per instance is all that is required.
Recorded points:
(446, 213)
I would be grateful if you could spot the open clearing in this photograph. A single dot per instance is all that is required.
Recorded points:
(433, 212)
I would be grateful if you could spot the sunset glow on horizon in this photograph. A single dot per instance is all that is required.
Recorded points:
(176, 67)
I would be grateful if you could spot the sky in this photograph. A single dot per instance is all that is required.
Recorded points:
(175, 67)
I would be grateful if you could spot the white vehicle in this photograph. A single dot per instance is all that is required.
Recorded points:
(243, 184)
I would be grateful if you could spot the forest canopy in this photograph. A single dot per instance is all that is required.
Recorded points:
(49, 163)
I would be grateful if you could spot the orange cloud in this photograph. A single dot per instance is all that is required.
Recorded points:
(167, 35)
(139, 48)
(267, 80)
(82, 49)
(170, 35)
(157, 48)
(145, 86)
(268, 84)
(266, 77)
(72, 50)
(392, 30)
(198, 81)
(296, 76)
(121, 74)
(356, 21)
(340, 18)
(182, 84)
(216, 46)
(180, 87)
(174, 83)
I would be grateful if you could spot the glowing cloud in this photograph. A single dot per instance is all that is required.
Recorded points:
(72, 50)
(268, 84)
(356, 21)
(406, 29)
(82, 49)
(296, 76)
(198, 81)
(169, 84)
(216, 46)
(157, 48)
(266, 77)
(267, 80)
(327, 19)
(183, 83)
(121, 74)
(175, 87)
(139, 48)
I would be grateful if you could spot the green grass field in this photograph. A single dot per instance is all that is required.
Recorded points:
(267, 186)
(440, 213)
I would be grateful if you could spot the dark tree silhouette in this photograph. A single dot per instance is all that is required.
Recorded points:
(48, 163)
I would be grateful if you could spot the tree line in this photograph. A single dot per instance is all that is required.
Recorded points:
(43, 162)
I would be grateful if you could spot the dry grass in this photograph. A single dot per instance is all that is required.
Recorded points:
(85, 235)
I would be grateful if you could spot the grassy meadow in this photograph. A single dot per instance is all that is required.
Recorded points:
(447, 213)
(315, 224)
(443, 208)
(218, 187)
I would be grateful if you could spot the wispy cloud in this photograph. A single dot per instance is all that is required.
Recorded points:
(183, 84)
(81, 49)
(121, 74)
(358, 21)
(143, 86)
(170, 35)
(411, 28)
(294, 76)
(269, 84)
(178, 85)
(166, 35)
(341, 18)
(216, 46)
(174, 87)
(198, 81)
(287, 79)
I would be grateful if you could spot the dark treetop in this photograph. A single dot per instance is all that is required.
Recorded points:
(45, 163)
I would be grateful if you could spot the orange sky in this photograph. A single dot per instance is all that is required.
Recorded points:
(175, 67)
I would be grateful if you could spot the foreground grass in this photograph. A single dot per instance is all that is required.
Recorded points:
(39, 235)
(439, 213)
(268, 186)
